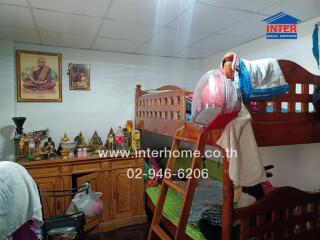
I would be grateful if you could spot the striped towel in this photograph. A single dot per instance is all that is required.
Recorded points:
(260, 79)
(257, 80)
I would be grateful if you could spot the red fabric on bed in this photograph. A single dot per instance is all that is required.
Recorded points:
(222, 120)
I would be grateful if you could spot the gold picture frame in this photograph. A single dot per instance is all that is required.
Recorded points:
(79, 76)
(39, 77)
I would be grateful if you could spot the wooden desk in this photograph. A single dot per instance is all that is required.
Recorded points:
(123, 198)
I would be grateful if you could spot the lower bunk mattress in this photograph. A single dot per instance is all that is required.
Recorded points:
(170, 210)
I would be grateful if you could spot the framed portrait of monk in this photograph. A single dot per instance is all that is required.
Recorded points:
(79, 76)
(38, 76)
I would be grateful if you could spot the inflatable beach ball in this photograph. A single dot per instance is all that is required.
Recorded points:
(216, 100)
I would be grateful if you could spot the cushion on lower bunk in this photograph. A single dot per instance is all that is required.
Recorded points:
(170, 210)
(214, 168)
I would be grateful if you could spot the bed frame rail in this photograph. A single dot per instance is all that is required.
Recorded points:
(290, 118)
(286, 213)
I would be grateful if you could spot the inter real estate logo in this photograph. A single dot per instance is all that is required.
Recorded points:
(281, 26)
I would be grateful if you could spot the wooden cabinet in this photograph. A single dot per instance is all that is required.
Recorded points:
(123, 197)
(127, 196)
(51, 206)
(107, 193)
(122, 194)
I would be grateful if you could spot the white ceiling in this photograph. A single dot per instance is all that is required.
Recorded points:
(172, 28)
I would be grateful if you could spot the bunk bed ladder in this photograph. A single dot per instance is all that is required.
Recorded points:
(199, 140)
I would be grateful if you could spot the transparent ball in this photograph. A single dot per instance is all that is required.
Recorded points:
(214, 96)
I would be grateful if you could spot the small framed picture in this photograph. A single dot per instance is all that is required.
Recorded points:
(38, 76)
(79, 77)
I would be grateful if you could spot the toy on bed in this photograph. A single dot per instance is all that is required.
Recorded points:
(216, 100)
(151, 168)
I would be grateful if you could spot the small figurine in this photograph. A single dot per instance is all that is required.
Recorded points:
(80, 139)
(65, 138)
(96, 139)
(22, 148)
(110, 143)
(96, 142)
(50, 144)
(25, 147)
(49, 147)
(67, 147)
(135, 139)
(20, 153)
(38, 151)
(21, 144)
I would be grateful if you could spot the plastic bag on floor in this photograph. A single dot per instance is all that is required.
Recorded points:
(88, 202)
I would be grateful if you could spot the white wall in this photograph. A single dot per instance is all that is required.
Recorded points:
(299, 50)
(7, 97)
(109, 103)
(296, 165)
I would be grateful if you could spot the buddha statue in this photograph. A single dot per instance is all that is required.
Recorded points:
(80, 139)
(110, 143)
(65, 138)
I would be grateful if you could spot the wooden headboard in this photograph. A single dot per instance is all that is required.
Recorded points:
(290, 118)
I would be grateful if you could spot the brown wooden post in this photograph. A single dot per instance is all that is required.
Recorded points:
(137, 95)
(183, 105)
(227, 209)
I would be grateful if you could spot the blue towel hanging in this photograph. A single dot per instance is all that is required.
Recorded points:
(315, 40)
(250, 93)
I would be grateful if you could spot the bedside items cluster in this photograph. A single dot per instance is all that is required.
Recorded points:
(124, 138)
(31, 146)
(28, 145)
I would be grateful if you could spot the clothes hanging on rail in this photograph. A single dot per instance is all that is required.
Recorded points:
(258, 79)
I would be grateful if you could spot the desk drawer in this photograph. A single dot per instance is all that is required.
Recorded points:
(86, 167)
(136, 162)
(44, 172)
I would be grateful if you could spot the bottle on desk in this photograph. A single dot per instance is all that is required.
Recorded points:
(135, 144)
(82, 153)
(31, 152)
(119, 138)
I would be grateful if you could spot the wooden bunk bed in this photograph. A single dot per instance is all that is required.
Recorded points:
(285, 213)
